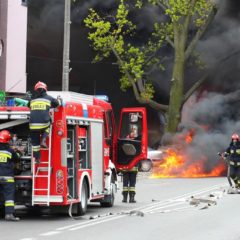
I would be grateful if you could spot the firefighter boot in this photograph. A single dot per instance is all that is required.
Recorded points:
(11, 217)
(44, 140)
(235, 182)
(36, 157)
(125, 196)
(238, 185)
(132, 195)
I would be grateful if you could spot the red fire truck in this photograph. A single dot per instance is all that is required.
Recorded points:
(84, 154)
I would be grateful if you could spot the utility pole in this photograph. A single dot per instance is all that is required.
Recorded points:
(66, 46)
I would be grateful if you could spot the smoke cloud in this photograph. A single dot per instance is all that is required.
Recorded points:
(214, 113)
(214, 118)
(212, 108)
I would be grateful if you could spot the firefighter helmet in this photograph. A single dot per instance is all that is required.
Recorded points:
(235, 136)
(5, 136)
(40, 85)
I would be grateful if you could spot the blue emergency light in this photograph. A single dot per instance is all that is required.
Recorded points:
(10, 102)
(102, 97)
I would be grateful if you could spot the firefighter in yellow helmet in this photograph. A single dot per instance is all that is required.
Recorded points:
(7, 158)
(40, 120)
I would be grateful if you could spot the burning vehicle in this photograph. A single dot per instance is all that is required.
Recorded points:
(155, 155)
(179, 160)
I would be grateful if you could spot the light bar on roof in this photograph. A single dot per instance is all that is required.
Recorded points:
(102, 97)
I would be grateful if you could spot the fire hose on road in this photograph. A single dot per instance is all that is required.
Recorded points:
(177, 204)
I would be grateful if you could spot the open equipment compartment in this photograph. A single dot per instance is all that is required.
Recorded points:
(17, 123)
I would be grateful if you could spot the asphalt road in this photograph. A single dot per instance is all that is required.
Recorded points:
(167, 209)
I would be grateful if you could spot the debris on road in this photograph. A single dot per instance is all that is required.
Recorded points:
(136, 213)
(130, 213)
(208, 201)
(196, 201)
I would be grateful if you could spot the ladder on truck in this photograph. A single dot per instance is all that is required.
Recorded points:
(42, 170)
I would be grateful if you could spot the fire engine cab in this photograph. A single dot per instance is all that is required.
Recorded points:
(84, 154)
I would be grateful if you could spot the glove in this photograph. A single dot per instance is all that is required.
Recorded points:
(61, 101)
(223, 155)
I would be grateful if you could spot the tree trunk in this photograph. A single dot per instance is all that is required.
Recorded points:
(177, 83)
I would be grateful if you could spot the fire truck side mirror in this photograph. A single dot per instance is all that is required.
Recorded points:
(129, 149)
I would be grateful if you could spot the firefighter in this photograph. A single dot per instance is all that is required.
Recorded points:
(40, 118)
(233, 155)
(130, 176)
(7, 158)
(129, 183)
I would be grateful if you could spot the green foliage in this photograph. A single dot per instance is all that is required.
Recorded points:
(149, 91)
(139, 4)
(198, 61)
(112, 35)
(107, 38)
(177, 10)
(202, 10)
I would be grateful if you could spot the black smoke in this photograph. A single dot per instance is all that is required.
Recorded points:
(45, 46)
(216, 107)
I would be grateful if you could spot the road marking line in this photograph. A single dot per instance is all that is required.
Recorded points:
(171, 210)
(95, 223)
(160, 207)
(50, 233)
(83, 223)
(27, 239)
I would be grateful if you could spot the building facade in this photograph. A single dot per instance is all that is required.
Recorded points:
(13, 45)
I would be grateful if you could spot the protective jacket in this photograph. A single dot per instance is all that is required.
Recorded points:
(7, 158)
(39, 114)
(233, 153)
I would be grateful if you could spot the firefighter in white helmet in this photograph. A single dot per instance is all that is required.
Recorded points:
(39, 117)
(233, 155)
(130, 176)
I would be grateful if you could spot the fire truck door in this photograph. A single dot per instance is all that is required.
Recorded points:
(71, 161)
(132, 138)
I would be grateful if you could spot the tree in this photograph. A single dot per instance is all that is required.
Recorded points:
(113, 34)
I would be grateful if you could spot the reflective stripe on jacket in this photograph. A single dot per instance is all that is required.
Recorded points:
(134, 169)
(7, 158)
(233, 152)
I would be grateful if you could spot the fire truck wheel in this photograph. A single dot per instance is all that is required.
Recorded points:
(82, 205)
(108, 200)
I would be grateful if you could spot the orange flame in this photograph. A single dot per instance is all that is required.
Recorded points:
(188, 138)
(174, 165)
